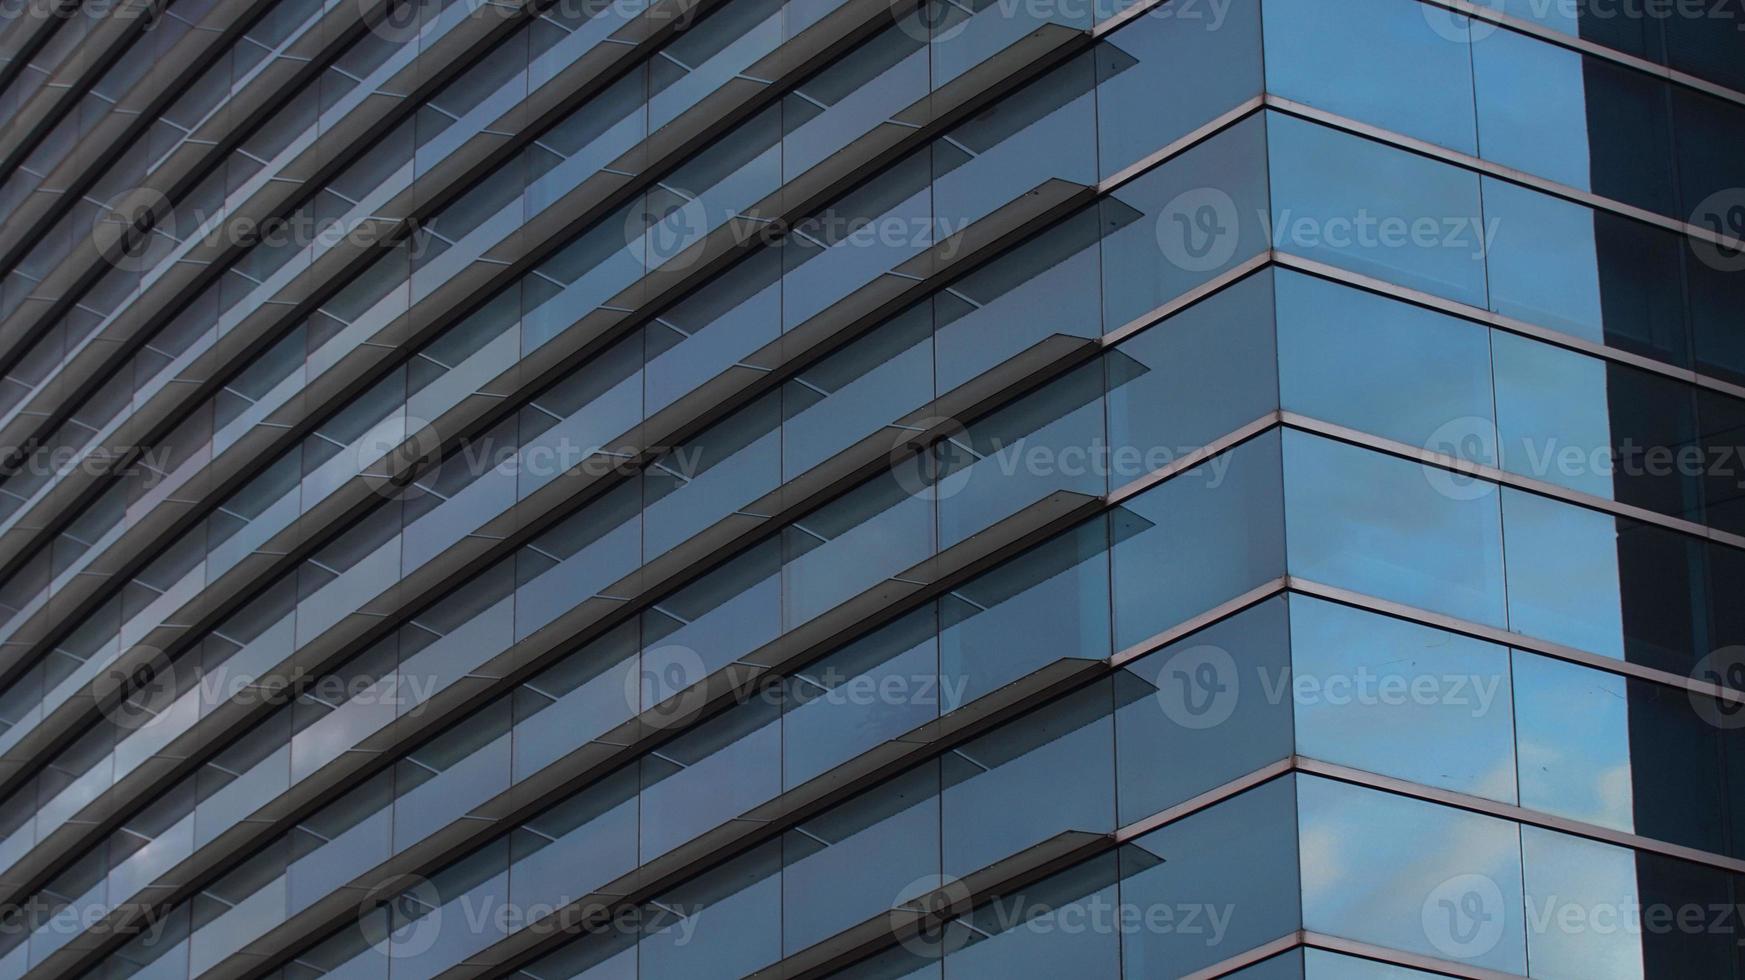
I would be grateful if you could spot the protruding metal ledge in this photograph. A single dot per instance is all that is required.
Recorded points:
(502, 536)
(129, 119)
(592, 333)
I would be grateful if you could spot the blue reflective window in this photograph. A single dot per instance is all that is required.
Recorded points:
(1049, 440)
(1185, 222)
(1381, 62)
(1587, 778)
(1389, 528)
(1023, 783)
(1368, 876)
(1044, 131)
(1204, 536)
(1203, 711)
(1582, 884)
(1216, 45)
(1039, 290)
(1201, 374)
(1402, 700)
(1038, 932)
(1050, 603)
(1387, 368)
(1237, 863)
(1563, 575)
(1376, 210)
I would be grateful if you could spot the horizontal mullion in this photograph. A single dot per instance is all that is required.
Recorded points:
(113, 137)
(24, 36)
(929, 912)
(549, 363)
(101, 354)
(83, 67)
(492, 542)
(594, 617)
(203, 378)
(1582, 45)
(592, 911)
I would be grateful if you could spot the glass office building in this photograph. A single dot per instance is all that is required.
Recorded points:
(669, 489)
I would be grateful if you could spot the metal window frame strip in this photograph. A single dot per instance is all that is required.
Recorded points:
(127, 122)
(608, 753)
(500, 538)
(632, 739)
(401, 337)
(590, 334)
(1581, 45)
(928, 913)
(1488, 168)
(24, 36)
(932, 911)
(203, 377)
(107, 40)
(328, 154)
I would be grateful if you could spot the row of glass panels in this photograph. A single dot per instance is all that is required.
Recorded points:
(1561, 281)
(1301, 675)
(1197, 514)
(1563, 618)
(1420, 267)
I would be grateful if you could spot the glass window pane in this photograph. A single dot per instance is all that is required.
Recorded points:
(1368, 876)
(1201, 374)
(1394, 370)
(1204, 536)
(1392, 529)
(1236, 862)
(1381, 62)
(1184, 223)
(1376, 210)
(1216, 45)
(1562, 564)
(1402, 700)
(1203, 711)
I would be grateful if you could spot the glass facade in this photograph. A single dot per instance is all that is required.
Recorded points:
(799, 488)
